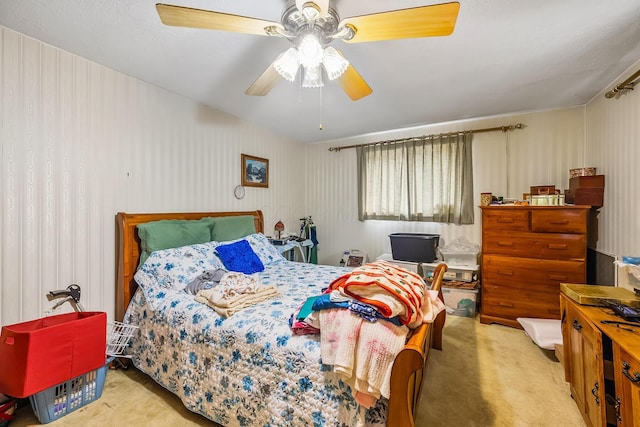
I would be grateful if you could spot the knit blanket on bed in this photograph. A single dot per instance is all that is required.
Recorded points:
(362, 352)
(393, 290)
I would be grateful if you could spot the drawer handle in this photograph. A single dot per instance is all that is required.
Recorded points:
(505, 273)
(594, 391)
(509, 244)
(559, 222)
(505, 304)
(557, 246)
(557, 277)
(505, 220)
(576, 325)
(615, 402)
(625, 370)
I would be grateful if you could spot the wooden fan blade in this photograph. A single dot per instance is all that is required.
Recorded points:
(353, 84)
(425, 21)
(179, 16)
(265, 82)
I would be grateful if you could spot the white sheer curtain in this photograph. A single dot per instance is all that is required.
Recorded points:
(420, 179)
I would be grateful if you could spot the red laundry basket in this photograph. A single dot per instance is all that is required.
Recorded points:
(41, 353)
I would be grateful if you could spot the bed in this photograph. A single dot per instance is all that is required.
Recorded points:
(249, 369)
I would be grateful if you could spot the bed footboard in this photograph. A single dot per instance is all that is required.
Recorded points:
(410, 365)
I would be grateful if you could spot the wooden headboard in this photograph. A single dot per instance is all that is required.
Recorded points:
(128, 246)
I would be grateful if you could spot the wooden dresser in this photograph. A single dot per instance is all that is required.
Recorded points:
(602, 364)
(527, 251)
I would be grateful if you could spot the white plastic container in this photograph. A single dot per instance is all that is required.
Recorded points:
(459, 258)
(460, 302)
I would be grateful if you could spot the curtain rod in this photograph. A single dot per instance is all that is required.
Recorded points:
(417, 138)
(623, 87)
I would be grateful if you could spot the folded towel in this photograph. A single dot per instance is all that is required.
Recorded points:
(230, 305)
(232, 287)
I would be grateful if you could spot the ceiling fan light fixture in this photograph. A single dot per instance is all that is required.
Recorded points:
(334, 64)
(287, 64)
(310, 51)
(312, 77)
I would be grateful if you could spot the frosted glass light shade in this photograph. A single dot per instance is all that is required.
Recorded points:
(310, 51)
(287, 64)
(312, 77)
(334, 63)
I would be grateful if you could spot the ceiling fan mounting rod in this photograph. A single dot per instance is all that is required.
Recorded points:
(297, 25)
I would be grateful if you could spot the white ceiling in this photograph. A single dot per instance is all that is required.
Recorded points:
(504, 56)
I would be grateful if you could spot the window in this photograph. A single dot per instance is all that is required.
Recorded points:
(420, 179)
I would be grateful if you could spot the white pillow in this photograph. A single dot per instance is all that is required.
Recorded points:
(544, 332)
(170, 270)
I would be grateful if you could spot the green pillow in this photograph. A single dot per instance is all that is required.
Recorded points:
(172, 233)
(232, 227)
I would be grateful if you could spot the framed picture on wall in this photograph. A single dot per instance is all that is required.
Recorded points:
(255, 171)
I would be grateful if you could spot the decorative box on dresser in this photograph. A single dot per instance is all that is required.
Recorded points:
(527, 251)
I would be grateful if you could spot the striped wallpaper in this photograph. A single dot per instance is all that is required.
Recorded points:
(80, 142)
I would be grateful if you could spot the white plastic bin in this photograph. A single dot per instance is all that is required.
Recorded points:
(459, 258)
(460, 302)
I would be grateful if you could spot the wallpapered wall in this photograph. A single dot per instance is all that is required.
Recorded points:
(604, 133)
(505, 164)
(81, 142)
(613, 146)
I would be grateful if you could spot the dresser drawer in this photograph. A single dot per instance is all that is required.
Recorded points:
(499, 301)
(506, 296)
(535, 245)
(525, 273)
(503, 219)
(559, 220)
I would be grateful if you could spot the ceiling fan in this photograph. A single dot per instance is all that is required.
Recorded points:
(311, 26)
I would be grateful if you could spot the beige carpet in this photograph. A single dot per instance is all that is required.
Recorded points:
(487, 375)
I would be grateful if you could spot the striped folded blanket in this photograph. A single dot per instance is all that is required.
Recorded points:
(393, 290)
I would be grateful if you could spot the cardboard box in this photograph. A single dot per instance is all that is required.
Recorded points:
(41, 353)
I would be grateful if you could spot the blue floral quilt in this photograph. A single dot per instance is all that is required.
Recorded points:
(247, 369)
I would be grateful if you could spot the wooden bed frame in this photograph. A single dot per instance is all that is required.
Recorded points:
(409, 367)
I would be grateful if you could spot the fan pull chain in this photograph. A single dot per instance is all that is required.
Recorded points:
(320, 127)
(300, 86)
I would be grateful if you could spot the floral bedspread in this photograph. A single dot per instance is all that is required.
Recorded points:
(247, 369)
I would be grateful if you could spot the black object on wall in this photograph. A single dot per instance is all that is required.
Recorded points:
(600, 268)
